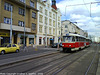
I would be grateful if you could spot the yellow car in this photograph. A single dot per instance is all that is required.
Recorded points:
(6, 48)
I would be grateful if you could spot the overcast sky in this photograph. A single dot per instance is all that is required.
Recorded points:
(81, 14)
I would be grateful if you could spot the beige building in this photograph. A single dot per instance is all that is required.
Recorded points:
(18, 11)
(70, 27)
(49, 22)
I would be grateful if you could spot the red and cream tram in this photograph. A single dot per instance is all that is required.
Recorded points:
(73, 42)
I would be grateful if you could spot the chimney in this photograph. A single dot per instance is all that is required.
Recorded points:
(54, 4)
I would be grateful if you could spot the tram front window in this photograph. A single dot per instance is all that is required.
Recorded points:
(68, 39)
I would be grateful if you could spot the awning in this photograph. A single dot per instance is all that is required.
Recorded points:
(51, 39)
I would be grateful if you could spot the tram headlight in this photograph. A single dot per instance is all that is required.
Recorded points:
(62, 45)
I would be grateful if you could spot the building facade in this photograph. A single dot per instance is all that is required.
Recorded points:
(70, 27)
(49, 23)
(19, 19)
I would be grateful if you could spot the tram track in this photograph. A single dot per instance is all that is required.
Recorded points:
(48, 65)
(67, 66)
(92, 61)
(38, 64)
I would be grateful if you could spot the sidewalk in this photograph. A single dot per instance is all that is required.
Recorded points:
(38, 47)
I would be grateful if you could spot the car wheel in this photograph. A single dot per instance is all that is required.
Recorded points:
(2, 52)
(17, 51)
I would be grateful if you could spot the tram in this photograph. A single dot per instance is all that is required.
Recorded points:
(72, 42)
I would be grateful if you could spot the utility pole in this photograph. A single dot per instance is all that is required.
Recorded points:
(46, 35)
(24, 23)
(11, 28)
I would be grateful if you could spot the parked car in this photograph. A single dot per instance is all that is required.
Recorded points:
(55, 45)
(6, 48)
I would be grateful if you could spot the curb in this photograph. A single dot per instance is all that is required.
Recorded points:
(12, 61)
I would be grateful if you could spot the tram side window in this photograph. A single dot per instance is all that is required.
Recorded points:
(77, 38)
(73, 38)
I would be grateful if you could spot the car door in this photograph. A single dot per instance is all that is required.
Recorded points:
(14, 47)
(8, 48)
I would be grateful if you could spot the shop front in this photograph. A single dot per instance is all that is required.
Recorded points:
(4, 38)
(29, 39)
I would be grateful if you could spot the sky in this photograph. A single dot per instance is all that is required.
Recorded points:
(87, 16)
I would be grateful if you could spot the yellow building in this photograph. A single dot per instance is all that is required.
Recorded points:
(18, 16)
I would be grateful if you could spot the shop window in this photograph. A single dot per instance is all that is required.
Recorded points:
(21, 40)
(31, 40)
(8, 7)
(40, 41)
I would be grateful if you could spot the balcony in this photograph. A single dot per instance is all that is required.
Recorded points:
(14, 28)
(23, 4)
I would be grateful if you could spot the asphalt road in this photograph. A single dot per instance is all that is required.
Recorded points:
(22, 52)
(76, 63)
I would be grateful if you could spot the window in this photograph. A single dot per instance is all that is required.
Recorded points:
(58, 24)
(73, 38)
(32, 4)
(40, 29)
(53, 16)
(58, 18)
(33, 26)
(50, 21)
(14, 45)
(59, 32)
(8, 7)
(7, 20)
(41, 9)
(33, 15)
(48, 6)
(21, 11)
(54, 23)
(53, 31)
(45, 12)
(31, 40)
(65, 30)
(50, 14)
(9, 45)
(40, 18)
(22, 1)
(21, 23)
(66, 26)
(46, 19)
(50, 30)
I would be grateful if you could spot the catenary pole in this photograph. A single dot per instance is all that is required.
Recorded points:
(11, 28)
(24, 22)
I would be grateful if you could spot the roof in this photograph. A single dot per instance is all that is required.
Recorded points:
(71, 34)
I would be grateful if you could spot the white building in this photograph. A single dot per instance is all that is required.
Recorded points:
(49, 21)
(70, 27)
